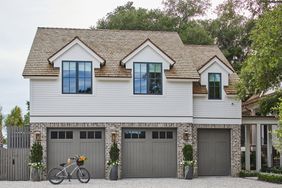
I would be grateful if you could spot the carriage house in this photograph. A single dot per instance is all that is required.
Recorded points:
(145, 90)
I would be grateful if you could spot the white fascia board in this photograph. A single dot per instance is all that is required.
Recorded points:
(70, 45)
(140, 48)
(219, 62)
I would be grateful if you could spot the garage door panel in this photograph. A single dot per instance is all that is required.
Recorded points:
(163, 164)
(214, 152)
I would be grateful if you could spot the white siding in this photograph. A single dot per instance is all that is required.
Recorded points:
(224, 111)
(112, 99)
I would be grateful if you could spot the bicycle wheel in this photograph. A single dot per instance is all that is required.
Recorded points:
(83, 175)
(56, 176)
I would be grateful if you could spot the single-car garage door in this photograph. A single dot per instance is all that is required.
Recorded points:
(65, 143)
(149, 153)
(214, 152)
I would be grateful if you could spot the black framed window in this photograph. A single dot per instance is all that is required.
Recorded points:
(214, 85)
(134, 134)
(77, 77)
(147, 78)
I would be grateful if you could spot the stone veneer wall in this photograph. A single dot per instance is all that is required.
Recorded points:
(235, 144)
(117, 128)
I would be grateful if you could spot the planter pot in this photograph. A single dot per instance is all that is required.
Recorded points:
(188, 172)
(114, 172)
(35, 174)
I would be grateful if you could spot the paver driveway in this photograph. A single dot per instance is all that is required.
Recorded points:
(203, 182)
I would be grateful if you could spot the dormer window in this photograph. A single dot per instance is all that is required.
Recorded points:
(148, 78)
(77, 77)
(215, 86)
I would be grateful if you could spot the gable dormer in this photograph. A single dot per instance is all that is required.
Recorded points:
(147, 52)
(215, 76)
(76, 50)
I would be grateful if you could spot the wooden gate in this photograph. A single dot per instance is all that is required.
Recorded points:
(14, 160)
(14, 164)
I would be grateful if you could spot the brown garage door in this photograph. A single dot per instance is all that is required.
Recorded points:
(214, 152)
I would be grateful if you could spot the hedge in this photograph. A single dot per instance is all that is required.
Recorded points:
(246, 173)
(275, 170)
(270, 177)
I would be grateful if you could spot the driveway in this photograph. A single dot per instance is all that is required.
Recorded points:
(203, 182)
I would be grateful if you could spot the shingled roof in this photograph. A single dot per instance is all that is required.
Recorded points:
(111, 45)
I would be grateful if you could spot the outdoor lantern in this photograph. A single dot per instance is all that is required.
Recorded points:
(37, 136)
(114, 136)
(185, 135)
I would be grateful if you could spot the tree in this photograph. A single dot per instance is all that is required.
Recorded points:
(14, 118)
(278, 131)
(128, 17)
(186, 9)
(194, 33)
(1, 126)
(27, 115)
(263, 67)
(231, 32)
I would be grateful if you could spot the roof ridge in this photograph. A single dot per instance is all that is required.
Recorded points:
(201, 45)
(114, 30)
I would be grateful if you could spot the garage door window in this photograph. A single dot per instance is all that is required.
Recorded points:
(61, 135)
(90, 135)
(162, 135)
(134, 135)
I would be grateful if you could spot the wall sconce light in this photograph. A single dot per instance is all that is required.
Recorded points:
(114, 137)
(185, 135)
(37, 136)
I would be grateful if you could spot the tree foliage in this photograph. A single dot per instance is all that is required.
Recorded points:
(184, 10)
(268, 104)
(130, 18)
(14, 118)
(27, 115)
(263, 68)
(278, 131)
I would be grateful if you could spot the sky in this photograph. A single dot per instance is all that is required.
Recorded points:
(19, 20)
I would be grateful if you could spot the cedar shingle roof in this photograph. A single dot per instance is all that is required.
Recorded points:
(198, 89)
(111, 45)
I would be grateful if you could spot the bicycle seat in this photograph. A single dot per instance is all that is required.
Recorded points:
(63, 164)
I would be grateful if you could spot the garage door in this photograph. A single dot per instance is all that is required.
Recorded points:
(149, 153)
(214, 152)
(65, 143)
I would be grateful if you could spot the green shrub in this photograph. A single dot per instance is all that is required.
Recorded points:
(187, 152)
(246, 173)
(36, 153)
(275, 170)
(114, 155)
(270, 177)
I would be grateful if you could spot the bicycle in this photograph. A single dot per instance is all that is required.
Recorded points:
(57, 175)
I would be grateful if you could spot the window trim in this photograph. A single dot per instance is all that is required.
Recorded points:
(220, 86)
(147, 66)
(77, 77)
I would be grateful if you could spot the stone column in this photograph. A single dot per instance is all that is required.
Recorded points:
(258, 148)
(247, 147)
(269, 145)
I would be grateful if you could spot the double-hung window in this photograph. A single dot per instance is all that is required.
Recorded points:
(77, 77)
(147, 78)
(214, 86)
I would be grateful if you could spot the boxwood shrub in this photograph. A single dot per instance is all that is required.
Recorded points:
(270, 177)
(246, 173)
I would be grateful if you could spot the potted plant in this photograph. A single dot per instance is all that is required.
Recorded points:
(36, 164)
(188, 162)
(114, 161)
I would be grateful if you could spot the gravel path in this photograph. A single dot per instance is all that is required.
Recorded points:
(203, 182)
